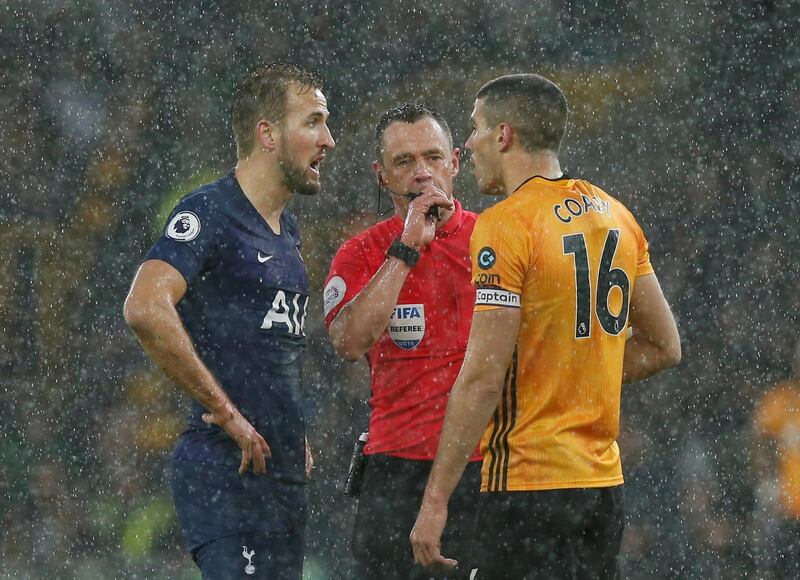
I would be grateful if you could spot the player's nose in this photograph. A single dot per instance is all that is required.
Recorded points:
(470, 141)
(327, 140)
(422, 180)
(422, 173)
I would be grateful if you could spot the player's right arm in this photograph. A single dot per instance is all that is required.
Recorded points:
(475, 395)
(655, 344)
(151, 314)
(359, 324)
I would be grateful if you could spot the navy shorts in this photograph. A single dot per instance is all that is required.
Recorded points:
(224, 514)
(257, 556)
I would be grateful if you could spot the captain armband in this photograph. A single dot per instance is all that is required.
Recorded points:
(496, 297)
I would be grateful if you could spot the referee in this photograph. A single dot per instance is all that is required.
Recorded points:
(399, 293)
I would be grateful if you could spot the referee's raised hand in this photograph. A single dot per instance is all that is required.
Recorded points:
(420, 228)
(254, 448)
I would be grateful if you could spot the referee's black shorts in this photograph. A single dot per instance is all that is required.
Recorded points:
(387, 508)
(561, 534)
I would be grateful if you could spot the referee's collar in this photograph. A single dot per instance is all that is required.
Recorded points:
(454, 222)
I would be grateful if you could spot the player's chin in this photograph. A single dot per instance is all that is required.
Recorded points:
(308, 188)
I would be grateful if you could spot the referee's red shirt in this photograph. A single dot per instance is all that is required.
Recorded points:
(416, 360)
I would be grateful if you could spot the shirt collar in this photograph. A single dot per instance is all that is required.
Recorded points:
(454, 222)
(564, 177)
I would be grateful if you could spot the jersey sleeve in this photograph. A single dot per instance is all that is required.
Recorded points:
(347, 277)
(188, 241)
(500, 254)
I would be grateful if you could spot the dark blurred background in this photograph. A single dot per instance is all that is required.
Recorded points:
(687, 111)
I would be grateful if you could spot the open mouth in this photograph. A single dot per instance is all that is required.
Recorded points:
(314, 165)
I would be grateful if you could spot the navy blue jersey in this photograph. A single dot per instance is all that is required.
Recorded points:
(244, 308)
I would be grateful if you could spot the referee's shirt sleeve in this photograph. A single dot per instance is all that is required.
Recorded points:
(347, 277)
(188, 240)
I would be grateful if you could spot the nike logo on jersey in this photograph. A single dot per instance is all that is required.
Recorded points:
(262, 258)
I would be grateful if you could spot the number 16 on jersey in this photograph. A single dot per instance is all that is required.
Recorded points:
(607, 279)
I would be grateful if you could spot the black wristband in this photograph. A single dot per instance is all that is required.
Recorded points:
(399, 250)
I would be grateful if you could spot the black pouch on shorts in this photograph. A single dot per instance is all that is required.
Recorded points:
(355, 475)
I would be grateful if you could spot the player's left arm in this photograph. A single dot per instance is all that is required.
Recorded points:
(655, 344)
(473, 399)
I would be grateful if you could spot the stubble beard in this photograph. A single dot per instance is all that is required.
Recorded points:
(295, 177)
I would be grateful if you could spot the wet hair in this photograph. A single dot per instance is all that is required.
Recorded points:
(533, 105)
(409, 112)
(261, 94)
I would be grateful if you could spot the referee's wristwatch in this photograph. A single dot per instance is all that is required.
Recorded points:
(406, 253)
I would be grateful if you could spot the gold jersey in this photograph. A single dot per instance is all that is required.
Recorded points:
(567, 255)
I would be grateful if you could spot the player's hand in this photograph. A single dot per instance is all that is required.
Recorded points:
(254, 448)
(420, 228)
(426, 539)
(309, 460)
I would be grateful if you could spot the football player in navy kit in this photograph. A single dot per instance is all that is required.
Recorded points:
(219, 305)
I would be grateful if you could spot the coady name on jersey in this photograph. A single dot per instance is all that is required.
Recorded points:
(574, 208)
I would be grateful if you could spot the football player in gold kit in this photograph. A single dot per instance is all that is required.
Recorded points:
(568, 308)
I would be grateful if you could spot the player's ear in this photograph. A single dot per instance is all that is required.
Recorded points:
(455, 160)
(505, 136)
(265, 134)
(377, 169)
